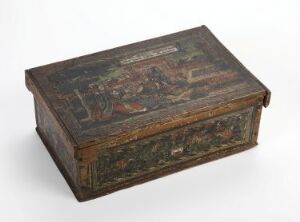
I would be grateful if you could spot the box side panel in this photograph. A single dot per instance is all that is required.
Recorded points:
(57, 146)
(136, 162)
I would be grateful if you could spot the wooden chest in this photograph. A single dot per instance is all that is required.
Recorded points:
(124, 116)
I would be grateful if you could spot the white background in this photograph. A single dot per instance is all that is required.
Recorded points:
(262, 184)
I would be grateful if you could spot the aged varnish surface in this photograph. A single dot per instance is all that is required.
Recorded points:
(126, 115)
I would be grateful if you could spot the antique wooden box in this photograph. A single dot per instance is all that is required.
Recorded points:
(127, 115)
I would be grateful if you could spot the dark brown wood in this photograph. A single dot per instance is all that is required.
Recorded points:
(124, 116)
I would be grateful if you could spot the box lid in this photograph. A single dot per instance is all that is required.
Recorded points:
(126, 91)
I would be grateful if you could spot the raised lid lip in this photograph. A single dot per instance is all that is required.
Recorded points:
(71, 62)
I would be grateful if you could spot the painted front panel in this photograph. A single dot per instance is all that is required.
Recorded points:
(115, 165)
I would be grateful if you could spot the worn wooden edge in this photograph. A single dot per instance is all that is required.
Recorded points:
(75, 189)
(256, 122)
